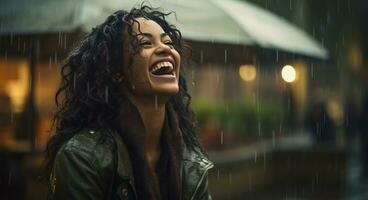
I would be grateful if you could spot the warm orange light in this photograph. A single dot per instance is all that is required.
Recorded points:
(17, 88)
(248, 72)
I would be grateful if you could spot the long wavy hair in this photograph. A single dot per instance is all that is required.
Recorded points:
(89, 97)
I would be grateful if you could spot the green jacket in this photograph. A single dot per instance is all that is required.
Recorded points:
(84, 169)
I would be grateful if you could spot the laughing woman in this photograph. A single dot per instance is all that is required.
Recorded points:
(124, 128)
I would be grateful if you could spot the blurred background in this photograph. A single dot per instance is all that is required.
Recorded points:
(278, 86)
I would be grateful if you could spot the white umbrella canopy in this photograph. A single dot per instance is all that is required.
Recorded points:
(220, 21)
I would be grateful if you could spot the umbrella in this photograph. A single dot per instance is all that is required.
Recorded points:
(219, 21)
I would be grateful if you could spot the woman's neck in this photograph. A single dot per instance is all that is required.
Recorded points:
(152, 112)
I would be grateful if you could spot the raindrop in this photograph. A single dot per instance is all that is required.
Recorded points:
(218, 78)
(156, 102)
(328, 18)
(255, 157)
(280, 128)
(225, 56)
(65, 41)
(106, 93)
(312, 70)
(273, 138)
(201, 56)
(55, 58)
(264, 161)
(259, 128)
(277, 55)
(218, 174)
(317, 179)
(222, 137)
(193, 83)
(30, 83)
(50, 62)
(290, 6)
(59, 40)
(343, 40)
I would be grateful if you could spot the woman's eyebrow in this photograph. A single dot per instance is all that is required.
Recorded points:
(150, 35)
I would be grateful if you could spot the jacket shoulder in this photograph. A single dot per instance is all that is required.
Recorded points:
(83, 168)
(90, 143)
(196, 156)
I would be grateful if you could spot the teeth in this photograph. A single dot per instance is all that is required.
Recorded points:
(162, 64)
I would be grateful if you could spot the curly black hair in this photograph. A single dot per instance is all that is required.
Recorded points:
(90, 98)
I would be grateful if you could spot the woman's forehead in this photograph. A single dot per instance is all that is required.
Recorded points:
(143, 25)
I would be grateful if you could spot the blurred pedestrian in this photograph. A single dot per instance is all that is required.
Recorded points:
(320, 124)
(351, 118)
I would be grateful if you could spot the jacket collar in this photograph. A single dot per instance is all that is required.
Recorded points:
(196, 156)
(131, 115)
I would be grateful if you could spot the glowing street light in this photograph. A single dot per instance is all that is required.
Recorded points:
(288, 73)
(248, 72)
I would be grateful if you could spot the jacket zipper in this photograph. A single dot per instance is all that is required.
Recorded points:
(201, 179)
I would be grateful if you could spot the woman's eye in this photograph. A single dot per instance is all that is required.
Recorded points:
(145, 43)
(170, 43)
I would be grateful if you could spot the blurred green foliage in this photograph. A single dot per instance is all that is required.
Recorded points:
(241, 117)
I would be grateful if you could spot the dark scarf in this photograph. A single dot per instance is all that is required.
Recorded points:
(132, 131)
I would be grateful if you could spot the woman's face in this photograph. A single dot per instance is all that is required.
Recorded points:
(155, 68)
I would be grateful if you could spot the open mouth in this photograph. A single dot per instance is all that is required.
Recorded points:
(162, 68)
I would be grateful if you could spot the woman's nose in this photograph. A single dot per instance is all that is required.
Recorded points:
(163, 49)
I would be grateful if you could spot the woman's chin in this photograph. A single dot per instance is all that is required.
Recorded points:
(162, 90)
(166, 90)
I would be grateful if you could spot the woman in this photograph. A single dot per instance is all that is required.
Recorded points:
(124, 128)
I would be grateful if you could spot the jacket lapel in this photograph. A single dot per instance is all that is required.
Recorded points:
(194, 167)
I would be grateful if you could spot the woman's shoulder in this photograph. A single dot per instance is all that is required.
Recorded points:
(91, 145)
(83, 167)
(88, 140)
